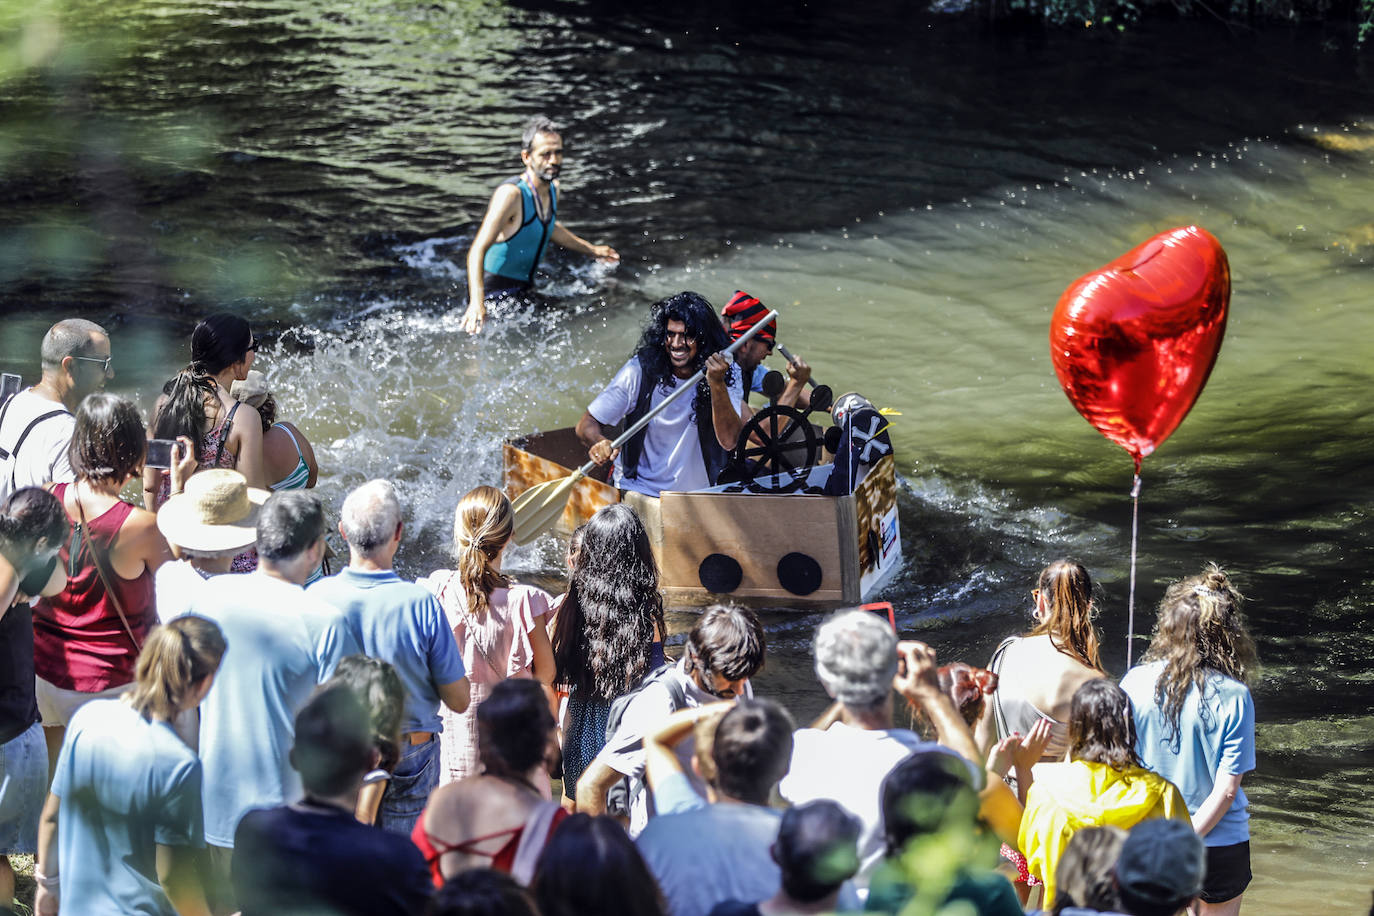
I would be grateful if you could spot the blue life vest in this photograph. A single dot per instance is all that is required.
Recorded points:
(518, 256)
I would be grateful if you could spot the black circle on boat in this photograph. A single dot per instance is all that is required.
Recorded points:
(720, 574)
(799, 574)
(772, 385)
(821, 397)
(832, 439)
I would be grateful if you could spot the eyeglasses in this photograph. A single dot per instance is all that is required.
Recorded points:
(105, 362)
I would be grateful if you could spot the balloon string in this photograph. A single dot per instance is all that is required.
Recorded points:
(1130, 600)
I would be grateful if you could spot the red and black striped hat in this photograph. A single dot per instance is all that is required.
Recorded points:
(742, 312)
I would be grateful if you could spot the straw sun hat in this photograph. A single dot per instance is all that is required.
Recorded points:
(217, 512)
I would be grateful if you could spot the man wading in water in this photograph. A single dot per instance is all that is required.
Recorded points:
(521, 220)
(683, 448)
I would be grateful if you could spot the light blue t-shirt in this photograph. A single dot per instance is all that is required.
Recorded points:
(126, 785)
(282, 643)
(1216, 735)
(402, 624)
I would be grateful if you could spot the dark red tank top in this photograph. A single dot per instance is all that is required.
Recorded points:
(79, 642)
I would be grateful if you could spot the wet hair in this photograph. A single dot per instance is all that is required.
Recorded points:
(727, 640)
(71, 337)
(267, 410)
(181, 412)
(29, 516)
(752, 750)
(108, 440)
(606, 624)
(1068, 589)
(589, 861)
(1102, 725)
(219, 341)
(482, 526)
(1199, 630)
(925, 793)
(703, 326)
(539, 124)
(481, 892)
(333, 746)
(290, 522)
(514, 725)
(1084, 877)
(369, 516)
(381, 692)
(856, 657)
(817, 849)
(176, 657)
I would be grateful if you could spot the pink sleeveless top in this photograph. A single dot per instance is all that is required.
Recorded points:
(79, 642)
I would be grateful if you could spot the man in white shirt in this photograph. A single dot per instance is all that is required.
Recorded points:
(36, 424)
(860, 662)
(683, 448)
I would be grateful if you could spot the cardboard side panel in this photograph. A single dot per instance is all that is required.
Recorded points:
(878, 534)
(756, 531)
(522, 470)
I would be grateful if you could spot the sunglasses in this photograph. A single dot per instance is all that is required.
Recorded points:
(105, 362)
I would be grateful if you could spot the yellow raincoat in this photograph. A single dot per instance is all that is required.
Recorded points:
(1066, 797)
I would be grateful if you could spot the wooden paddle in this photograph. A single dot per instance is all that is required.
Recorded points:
(539, 508)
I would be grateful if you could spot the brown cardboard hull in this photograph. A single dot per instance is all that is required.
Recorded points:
(779, 550)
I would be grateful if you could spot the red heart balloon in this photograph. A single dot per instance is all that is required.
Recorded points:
(1134, 342)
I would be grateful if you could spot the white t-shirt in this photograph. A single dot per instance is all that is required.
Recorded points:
(176, 586)
(847, 765)
(44, 455)
(624, 752)
(671, 459)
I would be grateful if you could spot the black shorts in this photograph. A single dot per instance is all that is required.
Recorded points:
(1228, 872)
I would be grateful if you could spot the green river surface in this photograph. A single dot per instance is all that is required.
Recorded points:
(911, 193)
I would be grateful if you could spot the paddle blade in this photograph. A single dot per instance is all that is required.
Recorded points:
(540, 507)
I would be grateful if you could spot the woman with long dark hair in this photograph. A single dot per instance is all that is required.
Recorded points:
(500, 626)
(122, 824)
(1102, 784)
(609, 632)
(1196, 721)
(196, 404)
(87, 637)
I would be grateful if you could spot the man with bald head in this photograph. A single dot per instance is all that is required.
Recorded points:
(36, 424)
(402, 624)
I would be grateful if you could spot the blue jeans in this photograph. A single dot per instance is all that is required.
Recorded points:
(408, 789)
(23, 789)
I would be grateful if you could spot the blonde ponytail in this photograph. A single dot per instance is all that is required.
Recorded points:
(482, 526)
(177, 656)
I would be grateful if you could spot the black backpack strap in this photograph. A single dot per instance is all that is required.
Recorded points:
(228, 428)
(4, 455)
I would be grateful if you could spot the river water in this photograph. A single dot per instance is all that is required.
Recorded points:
(912, 195)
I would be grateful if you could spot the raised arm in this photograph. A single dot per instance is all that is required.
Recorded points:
(918, 681)
(596, 780)
(724, 408)
(504, 199)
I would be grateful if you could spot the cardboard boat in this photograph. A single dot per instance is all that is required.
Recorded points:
(726, 543)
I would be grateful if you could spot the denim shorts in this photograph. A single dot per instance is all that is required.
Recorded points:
(408, 790)
(23, 789)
